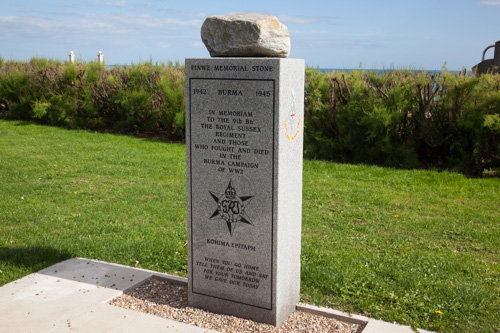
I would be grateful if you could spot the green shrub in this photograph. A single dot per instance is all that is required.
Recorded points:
(404, 119)
(171, 91)
(139, 98)
(39, 109)
(398, 118)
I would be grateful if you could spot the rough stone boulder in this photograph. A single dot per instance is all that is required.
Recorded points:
(245, 35)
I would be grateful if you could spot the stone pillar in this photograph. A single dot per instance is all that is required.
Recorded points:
(71, 57)
(100, 58)
(244, 126)
(244, 142)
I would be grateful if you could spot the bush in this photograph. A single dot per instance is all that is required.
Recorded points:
(404, 119)
(139, 98)
(398, 118)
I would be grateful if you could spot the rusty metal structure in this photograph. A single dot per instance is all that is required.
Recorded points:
(489, 65)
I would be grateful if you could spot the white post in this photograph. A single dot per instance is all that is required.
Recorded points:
(71, 57)
(100, 58)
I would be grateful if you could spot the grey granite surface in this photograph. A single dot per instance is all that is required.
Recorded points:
(244, 126)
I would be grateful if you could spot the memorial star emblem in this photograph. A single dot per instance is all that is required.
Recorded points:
(231, 207)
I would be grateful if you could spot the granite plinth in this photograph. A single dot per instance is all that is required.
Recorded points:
(244, 125)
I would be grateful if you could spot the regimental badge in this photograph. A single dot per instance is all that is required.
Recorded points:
(231, 207)
(292, 122)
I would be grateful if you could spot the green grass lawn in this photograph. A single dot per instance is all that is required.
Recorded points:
(416, 247)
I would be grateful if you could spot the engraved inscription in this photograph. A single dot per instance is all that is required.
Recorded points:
(232, 273)
(232, 167)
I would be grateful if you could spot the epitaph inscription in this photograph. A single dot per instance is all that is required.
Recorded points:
(231, 154)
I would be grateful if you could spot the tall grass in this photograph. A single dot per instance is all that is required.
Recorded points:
(139, 98)
(405, 119)
(399, 118)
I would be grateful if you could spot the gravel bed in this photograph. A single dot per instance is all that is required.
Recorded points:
(160, 298)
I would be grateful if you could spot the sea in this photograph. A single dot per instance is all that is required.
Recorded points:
(378, 71)
(382, 71)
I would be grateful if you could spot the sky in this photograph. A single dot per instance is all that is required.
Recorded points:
(348, 34)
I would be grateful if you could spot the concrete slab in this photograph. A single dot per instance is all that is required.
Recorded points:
(73, 296)
(107, 318)
(378, 326)
(97, 273)
(372, 325)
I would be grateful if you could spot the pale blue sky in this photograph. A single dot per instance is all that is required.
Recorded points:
(423, 34)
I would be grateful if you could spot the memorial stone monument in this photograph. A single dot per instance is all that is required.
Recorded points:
(244, 142)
